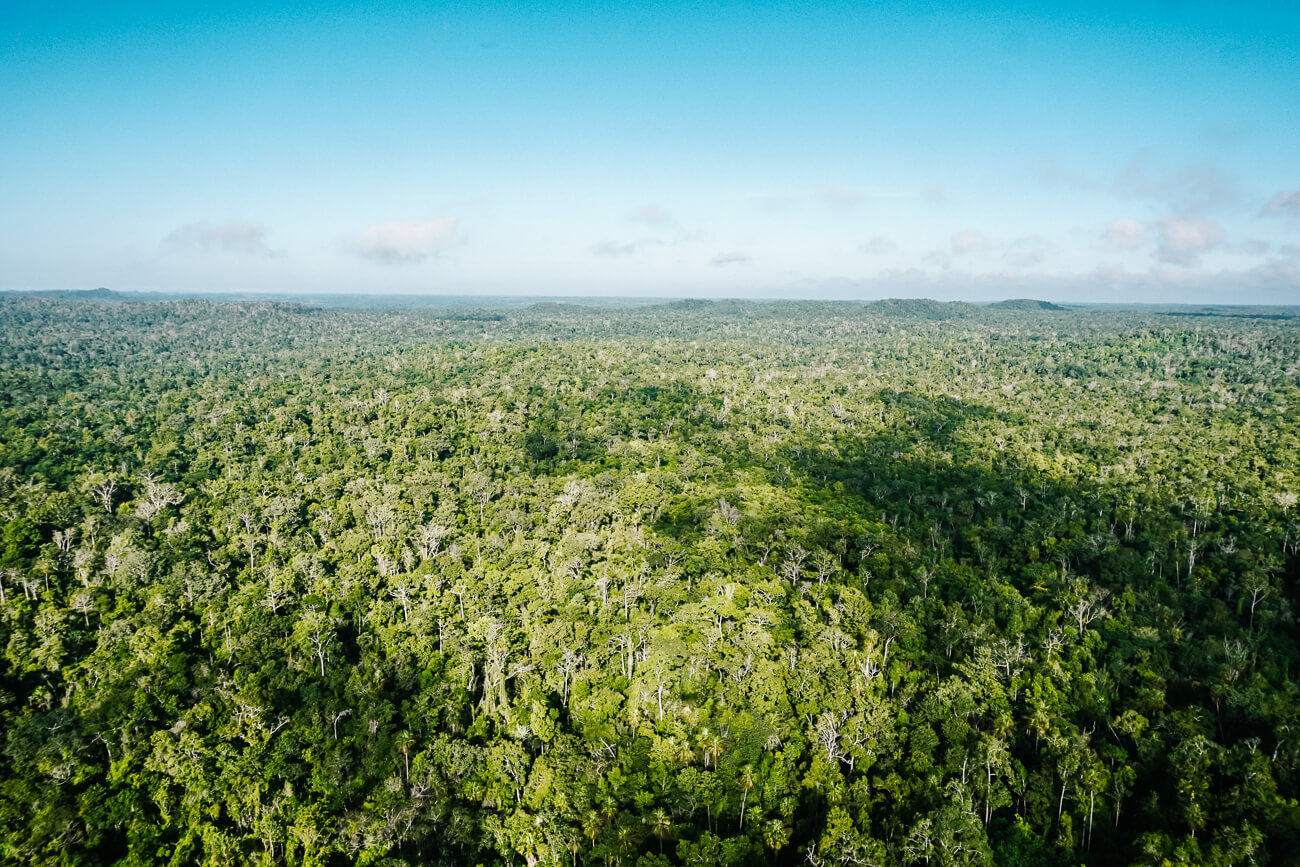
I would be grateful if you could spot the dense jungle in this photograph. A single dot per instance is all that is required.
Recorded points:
(888, 583)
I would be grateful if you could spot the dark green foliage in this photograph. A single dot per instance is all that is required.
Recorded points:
(696, 583)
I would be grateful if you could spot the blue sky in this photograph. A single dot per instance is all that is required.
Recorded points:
(979, 151)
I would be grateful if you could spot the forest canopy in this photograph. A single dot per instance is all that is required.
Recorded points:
(688, 583)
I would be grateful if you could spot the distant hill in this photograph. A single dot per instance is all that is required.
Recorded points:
(1025, 304)
(101, 294)
(922, 308)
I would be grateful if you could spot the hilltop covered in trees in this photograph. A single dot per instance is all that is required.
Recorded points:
(691, 583)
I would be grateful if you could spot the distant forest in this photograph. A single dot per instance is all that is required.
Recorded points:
(689, 583)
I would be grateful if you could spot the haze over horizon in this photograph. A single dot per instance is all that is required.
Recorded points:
(1138, 152)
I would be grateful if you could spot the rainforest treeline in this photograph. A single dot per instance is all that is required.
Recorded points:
(901, 583)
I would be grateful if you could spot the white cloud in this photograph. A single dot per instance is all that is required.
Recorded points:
(879, 245)
(1028, 252)
(840, 199)
(1182, 241)
(234, 236)
(1125, 234)
(1271, 282)
(615, 249)
(652, 215)
(837, 199)
(1195, 189)
(1283, 204)
(1227, 135)
(397, 243)
(729, 258)
(937, 258)
(969, 241)
(934, 194)
(1053, 173)
(778, 203)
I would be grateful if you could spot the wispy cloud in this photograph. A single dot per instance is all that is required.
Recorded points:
(243, 237)
(1284, 204)
(401, 243)
(729, 258)
(1182, 242)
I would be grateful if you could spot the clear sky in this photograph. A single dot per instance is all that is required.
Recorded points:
(1112, 152)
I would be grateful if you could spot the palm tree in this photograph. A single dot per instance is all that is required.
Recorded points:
(712, 748)
(747, 781)
(661, 825)
(591, 825)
